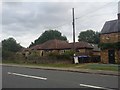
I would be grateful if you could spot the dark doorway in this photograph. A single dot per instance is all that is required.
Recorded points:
(111, 56)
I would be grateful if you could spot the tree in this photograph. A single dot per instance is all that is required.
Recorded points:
(48, 35)
(10, 47)
(10, 44)
(89, 36)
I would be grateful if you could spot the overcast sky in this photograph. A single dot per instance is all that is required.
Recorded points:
(26, 21)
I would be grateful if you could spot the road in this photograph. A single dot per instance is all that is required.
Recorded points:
(21, 77)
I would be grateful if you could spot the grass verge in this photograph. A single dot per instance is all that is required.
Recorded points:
(91, 66)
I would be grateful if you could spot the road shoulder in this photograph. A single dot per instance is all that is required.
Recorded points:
(102, 72)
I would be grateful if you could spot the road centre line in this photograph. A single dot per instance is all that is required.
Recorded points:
(97, 87)
(29, 76)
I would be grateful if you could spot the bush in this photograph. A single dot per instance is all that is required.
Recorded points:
(52, 54)
(7, 55)
(70, 53)
(65, 55)
(109, 45)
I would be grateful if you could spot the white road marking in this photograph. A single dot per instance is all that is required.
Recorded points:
(29, 76)
(97, 87)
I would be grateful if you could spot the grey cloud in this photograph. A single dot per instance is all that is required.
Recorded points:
(27, 20)
(119, 7)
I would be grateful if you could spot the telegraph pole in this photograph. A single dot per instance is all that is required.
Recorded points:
(73, 23)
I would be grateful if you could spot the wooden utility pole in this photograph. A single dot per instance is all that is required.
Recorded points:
(73, 23)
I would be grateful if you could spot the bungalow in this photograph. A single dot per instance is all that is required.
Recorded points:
(96, 50)
(59, 46)
(82, 48)
(55, 45)
(110, 41)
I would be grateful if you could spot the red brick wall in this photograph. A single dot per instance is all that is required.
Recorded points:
(104, 56)
(117, 56)
(105, 59)
(110, 38)
(96, 53)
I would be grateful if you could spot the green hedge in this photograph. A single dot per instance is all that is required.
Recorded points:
(65, 55)
(109, 45)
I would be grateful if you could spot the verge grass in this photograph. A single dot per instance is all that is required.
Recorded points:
(91, 66)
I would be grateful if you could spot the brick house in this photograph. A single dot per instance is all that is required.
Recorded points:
(96, 50)
(55, 45)
(59, 46)
(110, 41)
(82, 48)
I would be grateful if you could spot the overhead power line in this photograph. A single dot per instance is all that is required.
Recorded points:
(93, 11)
(80, 17)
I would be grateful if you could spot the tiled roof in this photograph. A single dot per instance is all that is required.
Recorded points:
(35, 47)
(60, 45)
(95, 47)
(81, 44)
(55, 44)
(111, 27)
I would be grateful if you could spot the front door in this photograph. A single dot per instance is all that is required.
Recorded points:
(111, 56)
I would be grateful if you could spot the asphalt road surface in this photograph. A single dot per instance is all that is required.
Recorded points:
(21, 77)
